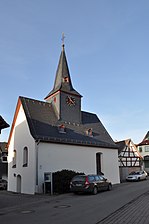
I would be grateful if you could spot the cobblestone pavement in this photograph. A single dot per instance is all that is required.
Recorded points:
(135, 212)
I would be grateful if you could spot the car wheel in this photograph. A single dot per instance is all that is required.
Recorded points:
(109, 187)
(95, 190)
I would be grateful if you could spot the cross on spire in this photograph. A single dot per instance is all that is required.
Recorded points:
(63, 38)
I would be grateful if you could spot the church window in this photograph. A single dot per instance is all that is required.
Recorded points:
(14, 158)
(98, 163)
(25, 157)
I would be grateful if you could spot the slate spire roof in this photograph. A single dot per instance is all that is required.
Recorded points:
(62, 74)
(45, 126)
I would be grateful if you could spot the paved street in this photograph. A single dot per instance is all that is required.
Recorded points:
(134, 212)
(126, 203)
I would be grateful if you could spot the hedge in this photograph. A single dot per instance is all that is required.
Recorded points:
(61, 180)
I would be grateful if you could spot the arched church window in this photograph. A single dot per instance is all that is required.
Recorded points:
(25, 157)
(14, 158)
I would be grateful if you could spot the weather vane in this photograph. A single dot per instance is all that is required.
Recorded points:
(63, 37)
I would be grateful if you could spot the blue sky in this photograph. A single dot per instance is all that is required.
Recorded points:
(107, 49)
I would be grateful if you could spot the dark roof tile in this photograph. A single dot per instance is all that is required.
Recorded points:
(44, 126)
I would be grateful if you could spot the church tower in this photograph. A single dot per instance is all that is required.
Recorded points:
(64, 98)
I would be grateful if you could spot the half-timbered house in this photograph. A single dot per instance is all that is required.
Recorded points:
(129, 158)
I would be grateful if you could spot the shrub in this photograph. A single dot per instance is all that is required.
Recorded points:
(61, 180)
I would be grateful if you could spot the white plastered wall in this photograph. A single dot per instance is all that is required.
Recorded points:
(55, 157)
(21, 138)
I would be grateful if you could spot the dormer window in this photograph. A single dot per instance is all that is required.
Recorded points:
(54, 99)
(62, 128)
(66, 79)
(89, 132)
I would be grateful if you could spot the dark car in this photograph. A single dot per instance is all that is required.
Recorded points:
(3, 184)
(89, 183)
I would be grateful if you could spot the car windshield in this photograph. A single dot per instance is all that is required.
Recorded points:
(79, 178)
(135, 173)
(3, 181)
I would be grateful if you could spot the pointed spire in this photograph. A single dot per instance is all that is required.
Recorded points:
(63, 79)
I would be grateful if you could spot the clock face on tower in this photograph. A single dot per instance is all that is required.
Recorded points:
(70, 101)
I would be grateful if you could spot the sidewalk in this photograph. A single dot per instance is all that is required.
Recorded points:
(135, 212)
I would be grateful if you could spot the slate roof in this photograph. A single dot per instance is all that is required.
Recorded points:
(3, 123)
(61, 73)
(43, 125)
(145, 140)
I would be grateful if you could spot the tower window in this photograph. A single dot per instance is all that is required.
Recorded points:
(54, 99)
(66, 79)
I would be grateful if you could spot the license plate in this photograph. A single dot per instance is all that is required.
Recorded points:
(78, 185)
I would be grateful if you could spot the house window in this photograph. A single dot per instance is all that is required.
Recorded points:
(146, 163)
(14, 158)
(146, 148)
(140, 149)
(4, 159)
(25, 157)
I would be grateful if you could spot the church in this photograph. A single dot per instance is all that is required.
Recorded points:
(55, 134)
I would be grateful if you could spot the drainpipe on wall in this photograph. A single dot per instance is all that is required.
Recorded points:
(36, 168)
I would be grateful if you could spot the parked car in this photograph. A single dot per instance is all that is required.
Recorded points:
(89, 183)
(3, 184)
(137, 175)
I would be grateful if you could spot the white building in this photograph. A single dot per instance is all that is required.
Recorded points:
(143, 148)
(51, 135)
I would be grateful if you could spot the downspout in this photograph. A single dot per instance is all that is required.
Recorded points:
(36, 168)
